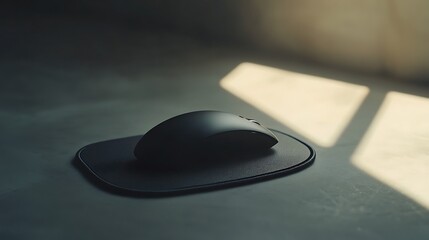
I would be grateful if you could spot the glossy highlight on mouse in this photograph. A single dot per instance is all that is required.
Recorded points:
(185, 135)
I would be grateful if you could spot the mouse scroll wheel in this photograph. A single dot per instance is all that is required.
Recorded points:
(253, 121)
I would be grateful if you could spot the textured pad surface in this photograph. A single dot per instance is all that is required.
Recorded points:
(113, 162)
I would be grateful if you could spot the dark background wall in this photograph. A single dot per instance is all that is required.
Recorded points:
(387, 37)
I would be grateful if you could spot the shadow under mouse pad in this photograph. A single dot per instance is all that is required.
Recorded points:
(114, 163)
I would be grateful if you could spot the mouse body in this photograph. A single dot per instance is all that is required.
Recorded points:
(202, 131)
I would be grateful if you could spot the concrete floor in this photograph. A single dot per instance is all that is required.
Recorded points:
(68, 82)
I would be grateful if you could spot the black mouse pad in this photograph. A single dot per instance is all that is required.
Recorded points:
(113, 162)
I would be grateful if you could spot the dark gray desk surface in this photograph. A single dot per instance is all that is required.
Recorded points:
(66, 83)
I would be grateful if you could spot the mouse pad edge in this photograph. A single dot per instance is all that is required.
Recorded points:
(198, 187)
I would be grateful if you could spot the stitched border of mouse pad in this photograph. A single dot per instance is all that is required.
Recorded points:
(113, 163)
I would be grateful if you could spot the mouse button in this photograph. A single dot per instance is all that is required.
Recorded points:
(238, 140)
(223, 122)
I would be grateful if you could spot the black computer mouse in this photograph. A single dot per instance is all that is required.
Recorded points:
(207, 132)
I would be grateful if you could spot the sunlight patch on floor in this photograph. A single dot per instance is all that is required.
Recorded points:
(316, 107)
(395, 149)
